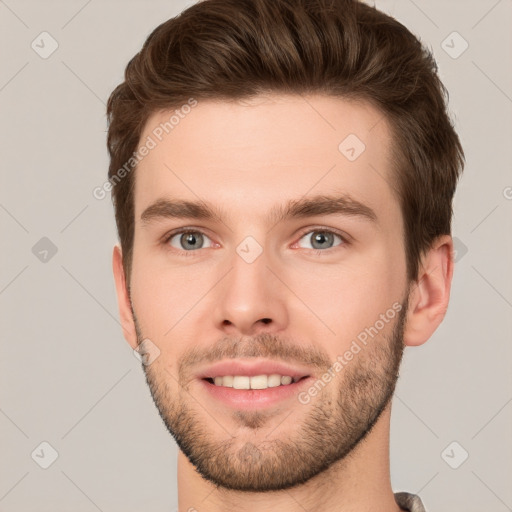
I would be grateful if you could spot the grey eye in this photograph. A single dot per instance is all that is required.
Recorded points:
(320, 239)
(188, 240)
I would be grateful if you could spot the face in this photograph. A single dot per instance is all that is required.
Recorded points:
(269, 276)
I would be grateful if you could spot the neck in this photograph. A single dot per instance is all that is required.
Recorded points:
(358, 483)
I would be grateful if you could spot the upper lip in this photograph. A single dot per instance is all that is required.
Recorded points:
(251, 368)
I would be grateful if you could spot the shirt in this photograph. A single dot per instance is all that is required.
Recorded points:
(409, 502)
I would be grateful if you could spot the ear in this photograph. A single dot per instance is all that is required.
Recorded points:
(430, 294)
(123, 299)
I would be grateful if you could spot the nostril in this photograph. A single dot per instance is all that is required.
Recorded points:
(266, 320)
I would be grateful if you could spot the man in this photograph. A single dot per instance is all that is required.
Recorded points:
(282, 173)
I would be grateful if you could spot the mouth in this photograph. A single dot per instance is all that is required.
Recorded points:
(248, 385)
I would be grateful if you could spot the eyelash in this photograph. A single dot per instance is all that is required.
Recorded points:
(316, 252)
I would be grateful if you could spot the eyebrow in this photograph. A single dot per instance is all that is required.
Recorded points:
(300, 208)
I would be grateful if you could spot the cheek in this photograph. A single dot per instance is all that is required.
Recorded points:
(347, 298)
(161, 295)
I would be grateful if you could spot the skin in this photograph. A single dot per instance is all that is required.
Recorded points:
(247, 157)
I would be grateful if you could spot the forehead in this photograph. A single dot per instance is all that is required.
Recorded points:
(250, 155)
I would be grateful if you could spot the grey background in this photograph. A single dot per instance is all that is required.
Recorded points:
(67, 376)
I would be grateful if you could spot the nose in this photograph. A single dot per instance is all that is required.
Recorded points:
(251, 299)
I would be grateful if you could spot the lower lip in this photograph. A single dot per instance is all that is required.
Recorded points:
(248, 399)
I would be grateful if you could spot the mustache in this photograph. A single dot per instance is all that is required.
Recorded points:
(262, 345)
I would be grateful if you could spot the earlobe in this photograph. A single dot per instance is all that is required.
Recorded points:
(123, 298)
(430, 294)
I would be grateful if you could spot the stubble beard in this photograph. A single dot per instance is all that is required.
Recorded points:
(325, 433)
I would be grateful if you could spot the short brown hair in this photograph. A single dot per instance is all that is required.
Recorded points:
(237, 49)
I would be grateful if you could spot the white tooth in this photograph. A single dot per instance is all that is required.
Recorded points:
(274, 380)
(218, 381)
(241, 382)
(228, 381)
(286, 379)
(259, 382)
